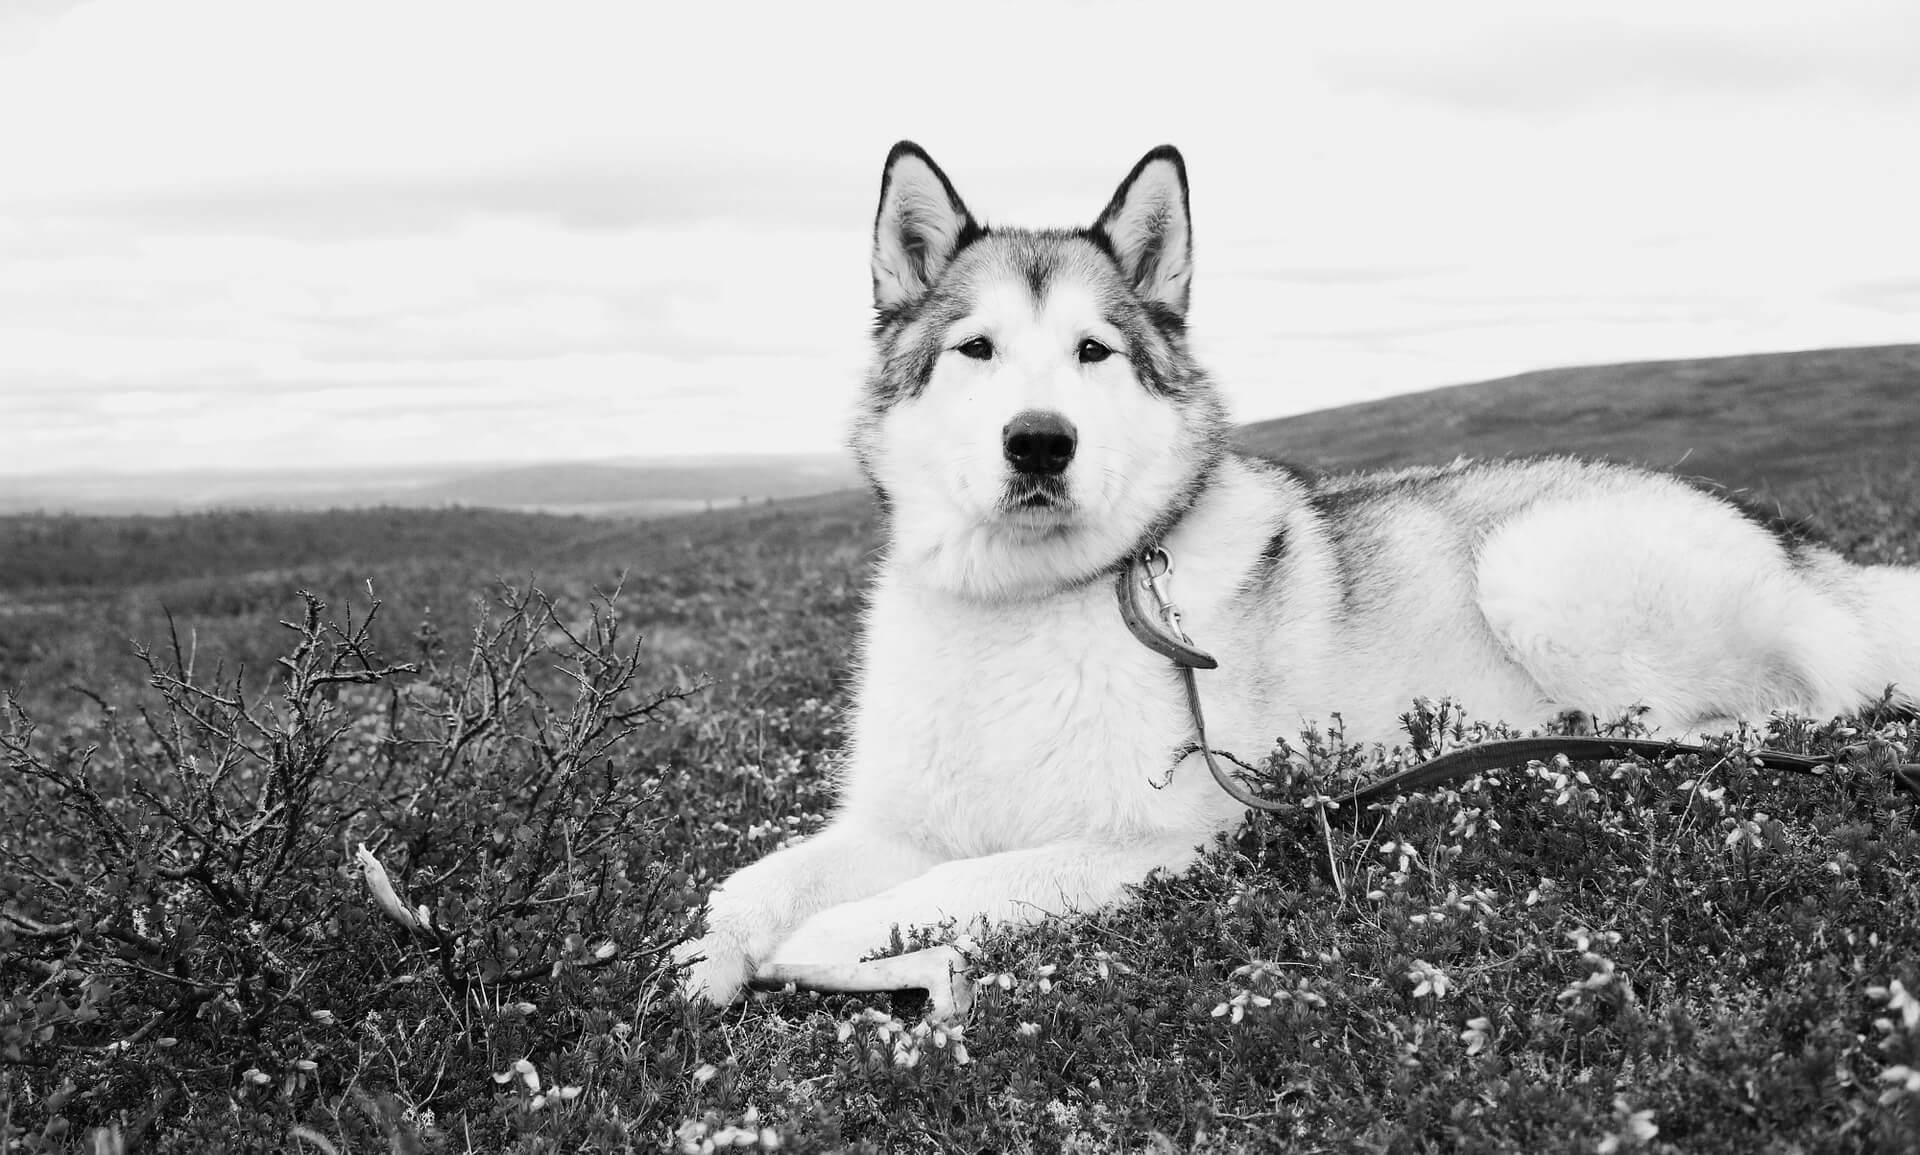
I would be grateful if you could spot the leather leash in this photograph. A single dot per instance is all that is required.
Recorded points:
(1146, 606)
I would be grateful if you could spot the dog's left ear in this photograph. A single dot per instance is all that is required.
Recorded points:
(1147, 226)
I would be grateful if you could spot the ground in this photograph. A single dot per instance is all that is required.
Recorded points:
(1701, 956)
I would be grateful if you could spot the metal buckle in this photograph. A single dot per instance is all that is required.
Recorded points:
(1157, 626)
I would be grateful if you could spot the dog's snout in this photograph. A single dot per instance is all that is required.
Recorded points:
(1037, 441)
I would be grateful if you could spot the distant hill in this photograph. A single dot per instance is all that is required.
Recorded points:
(606, 488)
(1768, 419)
(643, 487)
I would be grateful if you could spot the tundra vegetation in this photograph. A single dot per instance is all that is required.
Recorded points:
(555, 733)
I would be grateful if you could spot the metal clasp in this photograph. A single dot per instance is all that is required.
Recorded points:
(1157, 565)
(1145, 588)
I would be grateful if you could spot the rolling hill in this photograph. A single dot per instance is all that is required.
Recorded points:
(619, 488)
(1764, 420)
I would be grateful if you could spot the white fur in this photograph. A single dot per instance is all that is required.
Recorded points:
(1010, 741)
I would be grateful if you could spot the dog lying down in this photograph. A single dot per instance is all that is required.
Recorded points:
(1033, 418)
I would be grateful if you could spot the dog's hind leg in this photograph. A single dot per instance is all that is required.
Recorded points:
(761, 903)
(1670, 602)
(1013, 886)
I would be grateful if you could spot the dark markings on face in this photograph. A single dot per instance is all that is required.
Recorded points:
(911, 341)
(910, 338)
(971, 233)
(1040, 268)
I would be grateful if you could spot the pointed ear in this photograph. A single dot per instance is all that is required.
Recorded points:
(1148, 227)
(921, 224)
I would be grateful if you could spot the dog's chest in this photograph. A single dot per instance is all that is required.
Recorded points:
(988, 727)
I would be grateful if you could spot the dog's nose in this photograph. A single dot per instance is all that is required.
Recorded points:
(1037, 441)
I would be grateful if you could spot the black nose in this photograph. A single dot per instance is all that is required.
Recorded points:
(1038, 442)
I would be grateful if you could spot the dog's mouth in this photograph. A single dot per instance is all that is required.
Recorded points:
(1031, 500)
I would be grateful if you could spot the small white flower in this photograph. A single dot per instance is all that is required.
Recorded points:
(1906, 1081)
(1636, 1129)
(1428, 980)
(705, 1072)
(1901, 1000)
(1475, 1036)
(1743, 830)
(1029, 1030)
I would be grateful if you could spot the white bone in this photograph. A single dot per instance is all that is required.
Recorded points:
(941, 971)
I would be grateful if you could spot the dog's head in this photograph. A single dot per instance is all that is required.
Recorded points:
(1033, 413)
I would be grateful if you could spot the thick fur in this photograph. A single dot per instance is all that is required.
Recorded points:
(1010, 738)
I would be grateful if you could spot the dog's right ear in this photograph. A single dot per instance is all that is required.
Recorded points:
(921, 224)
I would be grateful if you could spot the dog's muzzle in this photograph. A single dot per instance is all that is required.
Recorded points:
(1038, 443)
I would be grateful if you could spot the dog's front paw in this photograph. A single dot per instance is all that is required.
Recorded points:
(717, 969)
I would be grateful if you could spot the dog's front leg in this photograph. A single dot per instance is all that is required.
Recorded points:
(1013, 886)
(758, 905)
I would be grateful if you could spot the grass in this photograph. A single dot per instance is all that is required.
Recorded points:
(1701, 956)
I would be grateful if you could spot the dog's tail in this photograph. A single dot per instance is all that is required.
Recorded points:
(1890, 609)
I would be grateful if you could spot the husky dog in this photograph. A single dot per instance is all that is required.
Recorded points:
(1033, 418)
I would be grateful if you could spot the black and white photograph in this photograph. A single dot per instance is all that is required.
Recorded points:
(1078, 576)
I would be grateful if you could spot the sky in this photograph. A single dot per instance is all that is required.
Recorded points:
(247, 234)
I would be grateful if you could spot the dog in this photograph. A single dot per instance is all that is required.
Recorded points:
(1033, 418)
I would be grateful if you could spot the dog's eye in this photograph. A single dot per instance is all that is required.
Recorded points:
(980, 349)
(1092, 351)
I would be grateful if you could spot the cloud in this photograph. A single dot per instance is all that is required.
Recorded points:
(1532, 60)
(247, 234)
(612, 193)
(1897, 296)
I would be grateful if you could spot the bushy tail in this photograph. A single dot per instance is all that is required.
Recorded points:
(1892, 614)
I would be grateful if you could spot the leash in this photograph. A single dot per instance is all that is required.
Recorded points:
(1147, 608)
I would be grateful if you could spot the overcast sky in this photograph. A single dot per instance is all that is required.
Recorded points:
(241, 233)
